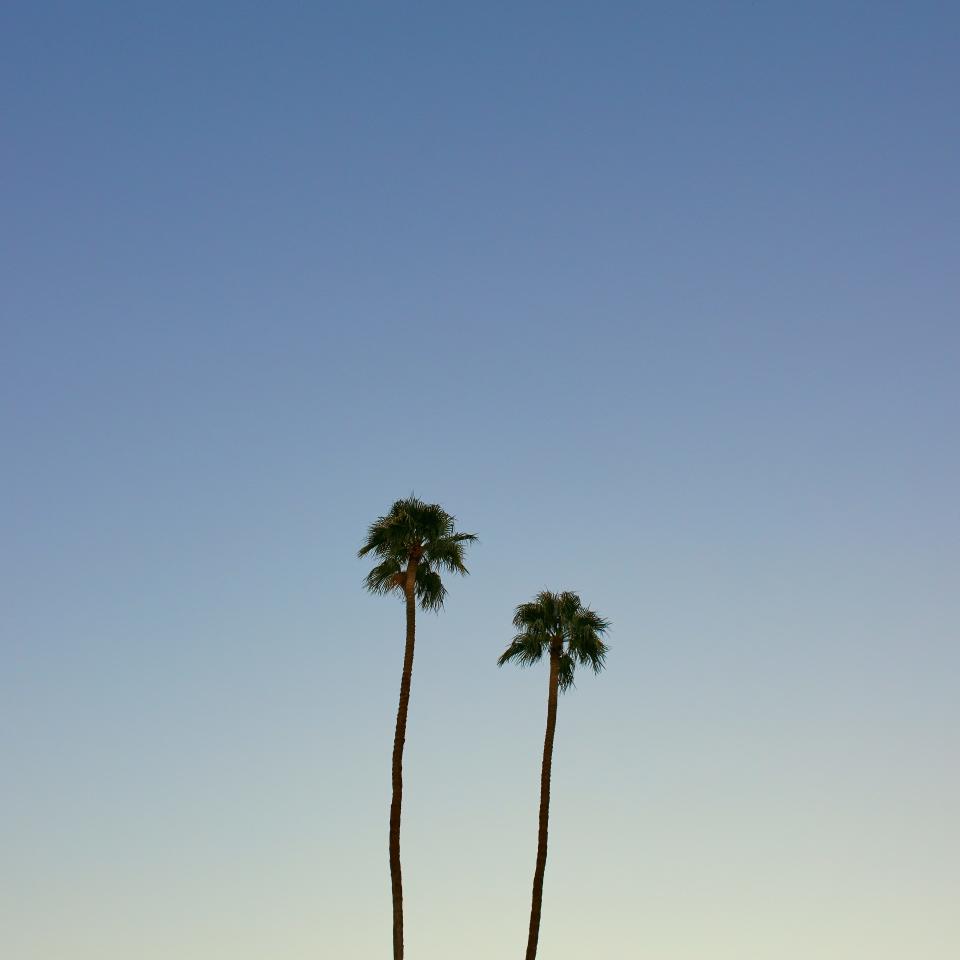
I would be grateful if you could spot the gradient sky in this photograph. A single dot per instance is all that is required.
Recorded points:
(661, 299)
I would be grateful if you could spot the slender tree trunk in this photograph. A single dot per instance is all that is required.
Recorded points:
(537, 900)
(396, 880)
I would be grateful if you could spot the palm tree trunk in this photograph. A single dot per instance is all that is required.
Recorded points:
(537, 900)
(396, 879)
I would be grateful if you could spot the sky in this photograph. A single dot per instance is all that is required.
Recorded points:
(659, 299)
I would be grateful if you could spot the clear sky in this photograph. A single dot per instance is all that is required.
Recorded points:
(660, 299)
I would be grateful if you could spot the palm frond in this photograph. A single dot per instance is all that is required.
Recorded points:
(525, 649)
(394, 533)
(567, 606)
(429, 588)
(530, 616)
(586, 644)
(383, 577)
(432, 521)
(565, 677)
(448, 552)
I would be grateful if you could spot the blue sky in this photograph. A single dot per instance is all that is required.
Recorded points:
(659, 299)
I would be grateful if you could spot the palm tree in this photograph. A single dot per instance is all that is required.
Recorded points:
(413, 542)
(558, 624)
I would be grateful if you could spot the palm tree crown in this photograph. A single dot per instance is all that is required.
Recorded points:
(421, 534)
(559, 621)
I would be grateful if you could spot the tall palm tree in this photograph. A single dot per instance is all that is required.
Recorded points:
(414, 542)
(559, 625)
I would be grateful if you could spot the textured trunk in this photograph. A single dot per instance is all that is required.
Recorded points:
(537, 900)
(396, 880)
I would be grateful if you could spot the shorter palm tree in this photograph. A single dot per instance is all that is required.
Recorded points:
(559, 625)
